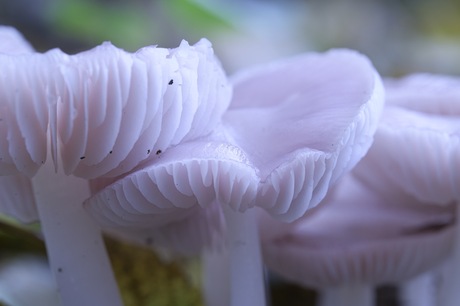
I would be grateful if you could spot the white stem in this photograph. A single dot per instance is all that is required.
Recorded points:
(216, 278)
(76, 251)
(449, 293)
(348, 295)
(419, 291)
(247, 284)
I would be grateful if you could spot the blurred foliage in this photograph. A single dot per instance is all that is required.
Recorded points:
(125, 25)
(440, 18)
(16, 239)
(197, 18)
(399, 36)
(146, 280)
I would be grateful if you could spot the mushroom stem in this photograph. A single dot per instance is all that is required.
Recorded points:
(216, 278)
(348, 295)
(76, 251)
(247, 285)
(449, 295)
(419, 291)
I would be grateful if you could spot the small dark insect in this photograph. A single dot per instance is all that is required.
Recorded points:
(83, 157)
(148, 151)
(158, 152)
(111, 152)
(171, 82)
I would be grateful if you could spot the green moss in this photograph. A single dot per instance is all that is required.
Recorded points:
(145, 280)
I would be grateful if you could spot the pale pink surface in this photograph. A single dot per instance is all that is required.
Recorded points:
(359, 236)
(417, 144)
(280, 145)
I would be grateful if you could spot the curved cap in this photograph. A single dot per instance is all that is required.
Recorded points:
(357, 236)
(199, 229)
(107, 110)
(279, 149)
(173, 186)
(104, 110)
(417, 144)
(117, 109)
(316, 117)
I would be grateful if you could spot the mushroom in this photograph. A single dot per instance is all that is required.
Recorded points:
(356, 239)
(100, 112)
(31, 190)
(11, 203)
(417, 150)
(12, 41)
(292, 129)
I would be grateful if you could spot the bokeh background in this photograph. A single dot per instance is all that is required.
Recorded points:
(399, 36)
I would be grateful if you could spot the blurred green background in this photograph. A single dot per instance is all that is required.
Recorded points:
(400, 37)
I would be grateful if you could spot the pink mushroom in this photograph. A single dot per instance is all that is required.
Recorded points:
(11, 203)
(417, 150)
(356, 239)
(100, 112)
(292, 129)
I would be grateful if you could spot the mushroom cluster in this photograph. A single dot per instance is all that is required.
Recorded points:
(279, 146)
(358, 239)
(67, 119)
(392, 220)
(417, 152)
(296, 165)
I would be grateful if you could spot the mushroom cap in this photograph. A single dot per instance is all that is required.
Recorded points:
(105, 109)
(167, 190)
(280, 145)
(417, 144)
(358, 236)
(200, 229)
(316, 117)
(117, 109)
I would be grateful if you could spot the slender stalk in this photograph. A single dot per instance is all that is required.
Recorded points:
(449, 293)
(419, 291)
(216, 277)
(76, 251)
(348, 295)
(247, 285)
